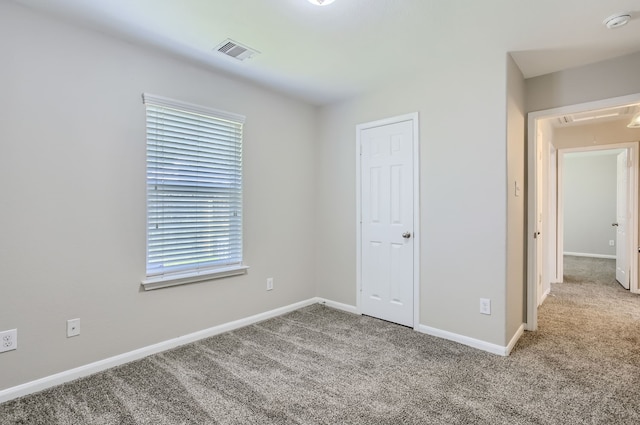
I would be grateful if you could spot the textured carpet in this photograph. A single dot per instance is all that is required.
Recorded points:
(322, 366)
(589, 270)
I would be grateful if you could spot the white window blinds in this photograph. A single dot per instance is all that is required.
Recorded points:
(194, 188)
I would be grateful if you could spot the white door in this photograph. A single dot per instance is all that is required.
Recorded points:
(622, 217)
(387, 239)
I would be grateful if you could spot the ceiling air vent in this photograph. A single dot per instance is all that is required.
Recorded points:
(236, 50)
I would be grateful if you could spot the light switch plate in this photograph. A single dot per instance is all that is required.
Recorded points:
(485, 306)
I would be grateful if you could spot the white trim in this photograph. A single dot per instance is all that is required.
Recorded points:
(338, 306)
(514, 339)
(152, 99)
(472, 342)
(532, 202)
(544, 296)
(560, 219)
(553, 241)
(586, 254)
(586, 106)
(532, 121)
(593, 150)
(101, 365)
(173, 279)
(634, 176)
(416, 220)
(414, 118)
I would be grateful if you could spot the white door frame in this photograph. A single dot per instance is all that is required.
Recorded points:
(534, 119)
(413, 117)
(553, 243)
(631, 198)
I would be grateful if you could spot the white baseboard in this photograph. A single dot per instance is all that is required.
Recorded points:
(339, 306)
(586, 254)
(544, 297)
(514, 339)
(472, 342)
(101, 365)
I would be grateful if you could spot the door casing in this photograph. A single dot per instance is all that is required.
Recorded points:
(414, 118)
(624, 192)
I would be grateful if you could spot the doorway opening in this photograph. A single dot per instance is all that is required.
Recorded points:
(552, 133)
(595, 207)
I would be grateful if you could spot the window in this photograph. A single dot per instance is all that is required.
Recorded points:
(194, 193)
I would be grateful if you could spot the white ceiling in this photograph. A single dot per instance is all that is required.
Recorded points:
(325, 54)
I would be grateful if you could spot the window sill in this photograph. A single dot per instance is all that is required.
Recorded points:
(163, 281)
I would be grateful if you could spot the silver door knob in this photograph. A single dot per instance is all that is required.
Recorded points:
(614, 224)
(406, 235)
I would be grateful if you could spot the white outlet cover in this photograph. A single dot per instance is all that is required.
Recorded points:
(8, 340)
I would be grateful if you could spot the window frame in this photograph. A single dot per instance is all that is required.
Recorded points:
(200, 271)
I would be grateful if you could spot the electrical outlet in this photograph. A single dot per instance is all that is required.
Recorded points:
(8, 340)
(269, 283)
(485, 306)
(73, 327)
(612, 242)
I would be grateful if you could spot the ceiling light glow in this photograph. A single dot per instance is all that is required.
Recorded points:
(595, 117)
(321, 2)
(635, 121)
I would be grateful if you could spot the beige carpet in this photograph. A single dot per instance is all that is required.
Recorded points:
(322, 366)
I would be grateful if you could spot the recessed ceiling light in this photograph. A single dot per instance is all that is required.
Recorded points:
(321, 2)
(635, 121)
(617, 20)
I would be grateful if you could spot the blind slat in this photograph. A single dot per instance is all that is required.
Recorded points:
(194, 188)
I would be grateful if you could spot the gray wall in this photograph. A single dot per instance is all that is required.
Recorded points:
(516, 242)
(463, 155)
(589, 190)
(73, 175)
(72, 172)
(602, 80)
